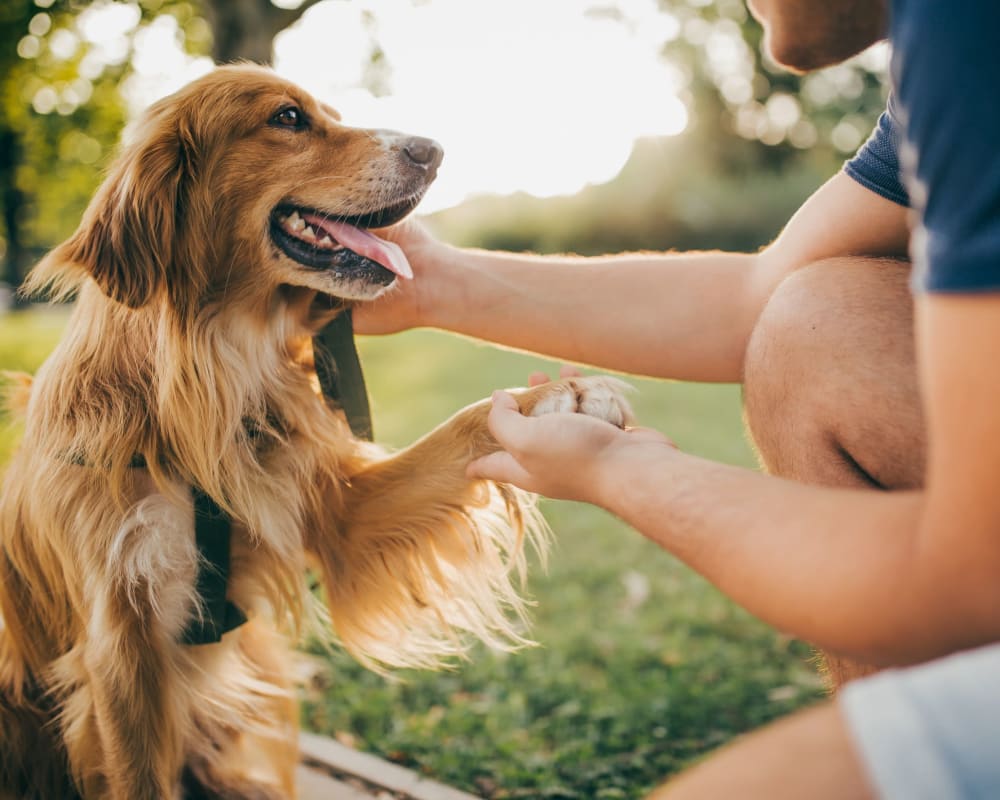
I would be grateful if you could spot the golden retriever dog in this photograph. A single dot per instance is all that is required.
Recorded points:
(231, 228)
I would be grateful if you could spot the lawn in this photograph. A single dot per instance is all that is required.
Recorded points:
(641, 665)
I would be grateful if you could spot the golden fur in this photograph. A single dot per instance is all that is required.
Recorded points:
(190, 345)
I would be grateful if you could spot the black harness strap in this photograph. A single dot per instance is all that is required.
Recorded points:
(343, 383)
(339, 371)
(218, 615)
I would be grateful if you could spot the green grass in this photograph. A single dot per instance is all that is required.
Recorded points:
(641, 667)
(26, 338)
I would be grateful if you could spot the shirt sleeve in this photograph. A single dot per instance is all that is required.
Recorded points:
(876, 164)
(947, 64)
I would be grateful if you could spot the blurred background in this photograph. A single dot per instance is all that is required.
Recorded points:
(582, 126)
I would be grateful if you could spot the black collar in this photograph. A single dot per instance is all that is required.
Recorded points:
(339, 372)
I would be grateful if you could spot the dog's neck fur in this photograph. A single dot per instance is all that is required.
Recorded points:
(199, 402)
(180, 395)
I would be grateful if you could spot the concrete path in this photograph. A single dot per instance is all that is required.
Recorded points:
(331, 771)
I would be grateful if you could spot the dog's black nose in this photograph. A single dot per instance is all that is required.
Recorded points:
(424, 152)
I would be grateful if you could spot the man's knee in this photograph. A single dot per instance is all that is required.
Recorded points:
(829, 377)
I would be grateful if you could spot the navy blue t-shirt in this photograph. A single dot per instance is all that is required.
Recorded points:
(937, 147)
(876, 165)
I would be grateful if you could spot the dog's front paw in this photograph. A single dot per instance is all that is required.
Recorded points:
(596, 396)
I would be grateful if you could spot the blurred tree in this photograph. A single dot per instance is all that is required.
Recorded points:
(245, 29)
(735, 91)
(61, 108)
(14, 19)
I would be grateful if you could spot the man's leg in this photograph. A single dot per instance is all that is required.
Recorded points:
(927, 731)
(809, 754)
(830, 385)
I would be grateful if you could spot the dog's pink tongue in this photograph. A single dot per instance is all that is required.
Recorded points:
(389, 254)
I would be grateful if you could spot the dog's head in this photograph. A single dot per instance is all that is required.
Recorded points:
(242, 185)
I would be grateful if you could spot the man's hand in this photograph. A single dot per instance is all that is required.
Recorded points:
(400, 307)
(567, 456)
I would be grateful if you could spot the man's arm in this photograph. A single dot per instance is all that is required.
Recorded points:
(888, 578)
(683, 316)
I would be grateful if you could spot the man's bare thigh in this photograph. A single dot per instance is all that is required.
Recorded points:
(830, 377)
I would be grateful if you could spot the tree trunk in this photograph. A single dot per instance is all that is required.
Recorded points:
(12, 200)
(245, 29)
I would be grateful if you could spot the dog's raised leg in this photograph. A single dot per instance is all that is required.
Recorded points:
(423, 553)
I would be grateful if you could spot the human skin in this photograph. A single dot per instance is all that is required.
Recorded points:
(640, 313)
(899, 552)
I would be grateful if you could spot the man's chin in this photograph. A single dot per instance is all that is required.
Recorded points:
(804, 56)
(805, 35)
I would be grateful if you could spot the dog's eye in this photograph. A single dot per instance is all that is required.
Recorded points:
(290, 117)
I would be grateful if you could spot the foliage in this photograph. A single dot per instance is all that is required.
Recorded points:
(25, 340)
(65, 124)
(61, 102)
(62, 112)
(737, 91)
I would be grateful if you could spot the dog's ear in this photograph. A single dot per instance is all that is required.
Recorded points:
(127, 238)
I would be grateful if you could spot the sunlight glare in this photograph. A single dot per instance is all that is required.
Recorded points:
(525, 96)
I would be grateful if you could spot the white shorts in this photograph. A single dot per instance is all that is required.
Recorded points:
(930, 732)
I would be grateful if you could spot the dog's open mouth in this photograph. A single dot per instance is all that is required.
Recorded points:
(342, 244)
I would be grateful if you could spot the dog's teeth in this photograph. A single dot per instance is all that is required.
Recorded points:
(295, 222)
(308, 234)
(326, 241)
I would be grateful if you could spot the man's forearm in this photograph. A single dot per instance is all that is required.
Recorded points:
(685, 316)
(848, 570)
